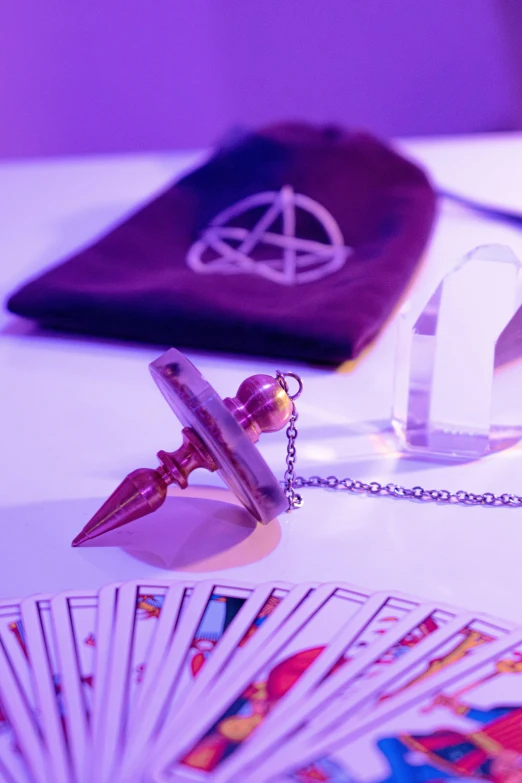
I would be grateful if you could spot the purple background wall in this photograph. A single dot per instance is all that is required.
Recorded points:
(108, 75)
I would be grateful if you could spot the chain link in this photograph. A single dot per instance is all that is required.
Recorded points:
(291, 482)
(409, 493)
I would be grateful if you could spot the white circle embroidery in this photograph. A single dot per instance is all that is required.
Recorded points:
(227, 249)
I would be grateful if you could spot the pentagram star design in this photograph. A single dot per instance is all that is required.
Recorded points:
(229, 249)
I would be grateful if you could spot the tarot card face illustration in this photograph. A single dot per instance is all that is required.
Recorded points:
(455, 647)
(138, 609)
(241, 633)
(213, 608)
(12, 765)
(13, 636)
(222, 606)
(379, 626)
(19, 701)
(468, 728)
(245, 704)
(352, 707)
(266, 611)
(48, 685)
(432, 731)
(455, 640)
(158, 640)
(74, 625)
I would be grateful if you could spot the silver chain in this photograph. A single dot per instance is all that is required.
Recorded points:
(291, 482)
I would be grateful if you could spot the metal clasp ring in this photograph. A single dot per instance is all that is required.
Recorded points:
(282, 376)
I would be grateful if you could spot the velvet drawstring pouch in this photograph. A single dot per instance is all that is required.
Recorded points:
(293, 241)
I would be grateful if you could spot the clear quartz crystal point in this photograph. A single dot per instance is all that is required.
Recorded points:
(458, 370)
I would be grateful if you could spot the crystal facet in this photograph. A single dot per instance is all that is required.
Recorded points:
(458, 371)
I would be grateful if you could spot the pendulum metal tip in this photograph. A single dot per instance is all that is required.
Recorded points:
(142, 492)
(80, 539)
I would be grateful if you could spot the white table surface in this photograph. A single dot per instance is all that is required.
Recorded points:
(78, 414)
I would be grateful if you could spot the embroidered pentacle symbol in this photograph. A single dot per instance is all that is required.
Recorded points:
(259, 235)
